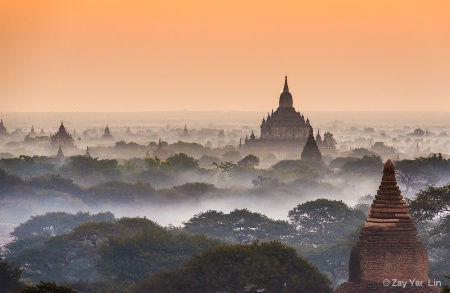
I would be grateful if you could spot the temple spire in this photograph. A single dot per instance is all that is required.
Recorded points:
(286, 88)
(88, 154)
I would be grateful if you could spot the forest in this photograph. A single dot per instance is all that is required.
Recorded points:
(102, 253)
(172, 216)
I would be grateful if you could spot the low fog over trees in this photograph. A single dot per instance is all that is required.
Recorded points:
(208, 204)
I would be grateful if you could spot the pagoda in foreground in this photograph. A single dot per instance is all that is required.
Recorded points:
(389, 250)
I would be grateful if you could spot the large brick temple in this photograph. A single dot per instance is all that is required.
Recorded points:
(283, 130)
(388, 251)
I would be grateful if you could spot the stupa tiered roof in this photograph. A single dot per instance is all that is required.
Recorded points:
(389, 219)
(389, 247)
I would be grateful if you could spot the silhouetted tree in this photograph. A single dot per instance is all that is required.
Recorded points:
(263, 181)
(119, 191)
(227, 168)
(322, 220)
(328, 141)
(240, 226)
(364, 203)
(182, 162)
(57, 223)
(430, 209)
(9, 278)
(270, 266)
(249, 161)
(195, 189)
(367, 165)
(419, 132)
(415, 174)
(87, 166)
(26, 166)
(430, 203)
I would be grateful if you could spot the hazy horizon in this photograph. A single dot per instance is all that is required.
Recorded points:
(216, 118)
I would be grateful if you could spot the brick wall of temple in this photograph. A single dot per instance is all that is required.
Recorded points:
(369, 263)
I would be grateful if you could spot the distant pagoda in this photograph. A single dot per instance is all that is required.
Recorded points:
(60, 153)
(3, 130)
(185, 131)
(32, 132)
(388, 248)
(62, 138)
(319, 139)
(311, 152)
(160, 152)
(107, 134)
(129, 133)
(88, 154)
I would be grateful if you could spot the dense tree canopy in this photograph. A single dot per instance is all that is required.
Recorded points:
(265, 182)
(271, 266)
(127, 250)
(85, 166)
(182, 162)
(332, 258)
(241, 226)
(10, 184)
(54, 182)
(367, 165)
(156, 164)
(431, 202)
(27, 166)
(322, 221)
(135, 258)
(191, 148)
(415, 174)
(430, 208)
(361, 152)
(119, 191)
(57, 223)
(341, 161)
(195, 189)
(9, 278)
(249, 161)
(288, 170)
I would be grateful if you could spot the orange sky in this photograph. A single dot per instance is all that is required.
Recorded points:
(117, 55)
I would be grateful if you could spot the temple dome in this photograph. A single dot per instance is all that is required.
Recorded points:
(286, 97)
